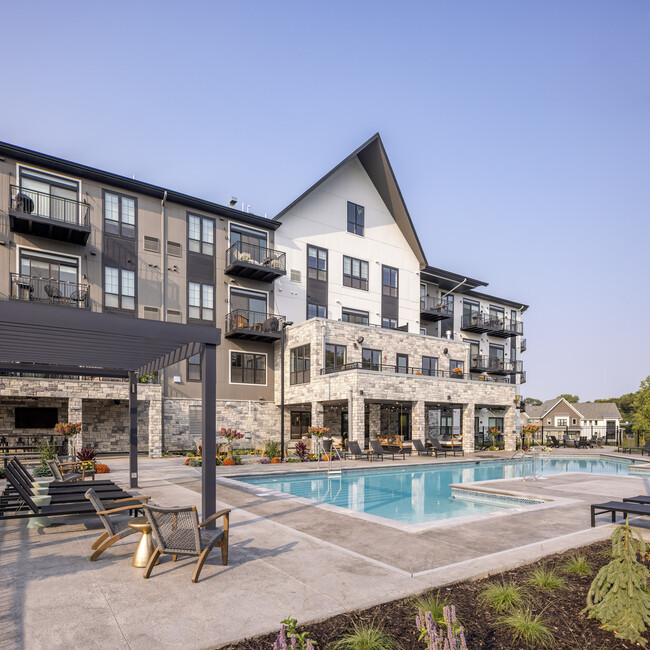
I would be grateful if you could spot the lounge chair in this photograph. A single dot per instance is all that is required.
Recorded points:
(115, 528)
(554, 442)
(421, 449)
(438, 448)
(568, 442)
(643, 450)
(626, 508)
(19, 468)
(177, 531)
(583, 443)
(379, 451)
(642, 498)
(72, 475)
(355, 451)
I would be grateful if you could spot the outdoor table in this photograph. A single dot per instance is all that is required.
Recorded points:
(145, 546)
(40, 522)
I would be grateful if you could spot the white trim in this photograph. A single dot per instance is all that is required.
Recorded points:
(46, 253)
(567, 403)
(241, 383)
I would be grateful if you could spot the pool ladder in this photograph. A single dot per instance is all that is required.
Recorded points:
(520, 457)
(320, 450)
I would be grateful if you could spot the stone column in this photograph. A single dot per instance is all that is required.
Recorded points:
(317, 414)
(509, 433)
(155, 429)
(467, 427)
(418, 421)
(375, 420)
(356, 418)
(75, 414)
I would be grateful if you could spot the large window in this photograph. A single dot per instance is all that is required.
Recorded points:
(200, 301)
(429, 366)
(316, 311)
(247, 368)
(200, 234)
(456, 368)
(253, 305)
(300, 364)
(119, 288)
(355, 273)
(356, 218)
(53, 196)
(250, 244)
(317, 263)
(470, 309)
(355, 316)
(49, 272)
(447, 324)
(119, 214)
(194, 368)
(389, 281)
(389, 323)
(474, 352)
(497, 316)
(371, 359)
(335, 355)
(496, 356)
(300, 423)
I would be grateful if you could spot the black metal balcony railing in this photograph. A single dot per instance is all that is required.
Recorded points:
(523, 345)
(495, 325)
(255, 262)
(253, 325)
(49, 290)
(434, 309)
(49, 206)
(484, 363)
(424, 372)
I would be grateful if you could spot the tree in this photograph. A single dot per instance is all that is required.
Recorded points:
(625, 404)
(641, 406)
(532, 401)
(572, 399)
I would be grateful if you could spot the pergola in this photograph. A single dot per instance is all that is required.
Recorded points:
(49, 339)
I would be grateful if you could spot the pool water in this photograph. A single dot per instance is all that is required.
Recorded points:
(414, 495)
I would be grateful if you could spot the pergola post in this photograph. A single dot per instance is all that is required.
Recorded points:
(133, 429)
(209, 433)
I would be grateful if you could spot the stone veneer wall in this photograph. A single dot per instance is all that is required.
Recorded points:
(7, 414)
(106, 425)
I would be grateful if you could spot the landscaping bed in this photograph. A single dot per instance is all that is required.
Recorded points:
(561, 609)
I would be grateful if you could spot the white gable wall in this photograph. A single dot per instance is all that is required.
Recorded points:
(321, 219)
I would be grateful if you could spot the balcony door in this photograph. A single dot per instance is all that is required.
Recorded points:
(251, 244)
(253, 307)
(54, 197)
(53, 277)
(496, 357)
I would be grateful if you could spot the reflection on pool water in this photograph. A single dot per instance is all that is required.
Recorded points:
(414, 495)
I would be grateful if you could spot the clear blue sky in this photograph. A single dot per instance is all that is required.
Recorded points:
(519, 133)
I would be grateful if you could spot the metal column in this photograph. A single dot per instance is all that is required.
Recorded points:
(133, 429)
(209, 433)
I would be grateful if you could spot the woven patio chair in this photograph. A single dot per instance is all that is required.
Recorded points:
(177, 531)
(58, 475)
(115, 528)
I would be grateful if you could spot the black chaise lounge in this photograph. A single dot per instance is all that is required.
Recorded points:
(68, 485)
(644, 450)
(355, 451)
(379, 451)
(554, 441)
(438, 448)
(624, 507)
(421, 449)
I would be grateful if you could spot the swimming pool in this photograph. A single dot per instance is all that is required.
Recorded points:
(419, 494)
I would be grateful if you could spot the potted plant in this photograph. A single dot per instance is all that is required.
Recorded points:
(494, 432)
(457, 372)
(528, 434)
(230, 435)
(67, 430)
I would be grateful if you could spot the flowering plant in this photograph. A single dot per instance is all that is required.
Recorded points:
(318, 432)
(230, 435)
(301, 450)
(449, 636)
(529, 430)
(457, 371)
(67, 429)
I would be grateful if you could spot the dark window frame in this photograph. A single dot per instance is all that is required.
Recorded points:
(120, 223)
(120, 295)
(426, 366)
(356, 281)
(356, 219)
(335, 349)
(403, 369)
(247, 371)
(371, 364)
(314, 272)
(201, 308)
(202, 243)
(389, 323)
(391, 289)
(302, 354)
(191, 363)
(355, 313)
(320, 310)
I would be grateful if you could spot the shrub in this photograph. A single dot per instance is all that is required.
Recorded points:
(86, 454)
(42, 470)
(301, 450)
(533, 631)
(578, 565)
(195, 462)
(229, 461)
(364, 636)
(100, 468)
(619, 596)
(432, 603)
(449, 636)
(276, 459)
(502, 596)
(545, 578)
(271, 448)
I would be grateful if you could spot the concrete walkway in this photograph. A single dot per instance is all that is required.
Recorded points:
(287, 558)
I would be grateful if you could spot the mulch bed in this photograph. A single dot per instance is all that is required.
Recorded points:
(561, 608)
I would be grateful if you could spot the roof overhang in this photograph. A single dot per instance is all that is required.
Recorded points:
(447, 280)
(503, 301)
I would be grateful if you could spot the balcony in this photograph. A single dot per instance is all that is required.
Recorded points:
(500, 327)
(255, 262)
(493, 365)
(47, 215)
(253, 326)
(523, 345)
(434, 309)
(402, 370)
(49, 290)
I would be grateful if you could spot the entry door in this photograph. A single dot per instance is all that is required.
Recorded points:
(403, 363)
(446, 425)
(344, 428)
(300, 422)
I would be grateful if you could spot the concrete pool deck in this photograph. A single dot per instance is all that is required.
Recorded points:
(287, 558)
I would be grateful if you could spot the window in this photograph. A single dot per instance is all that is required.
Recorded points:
(496, 357)
(429, 366)
(47, 270)
(200, 234)
(300, 364)
(316, 311)
(335, 355)
(247, 368)
(389, 281)
(423, 331)
(474, 353)
(574, 421)
(194, 368)
(456, 368)
(119, 215)
(355, 218)
(495, 422)
(402, 364)
(54, 197)
(317, 263)
(447, 325)
(561, 422)
(354, 316)
(250, 305)
(470, 311)
(119, 288)
(355, 273)
(300, 423)
(497, 316)
(250, 244)
(200, 301)
(371, 359)
(389, 323)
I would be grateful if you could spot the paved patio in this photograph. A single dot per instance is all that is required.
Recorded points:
(287, 558)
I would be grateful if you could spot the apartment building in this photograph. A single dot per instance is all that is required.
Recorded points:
(377, 340)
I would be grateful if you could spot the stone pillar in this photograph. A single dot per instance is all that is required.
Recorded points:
(155, 429)
(509, 433)
(356, 418)
(467, 427)
(75, 414)
(375, 420)
(418, 421)
(317, 417)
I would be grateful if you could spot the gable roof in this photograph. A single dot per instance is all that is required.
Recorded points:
(373, 158)
(586, 410)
